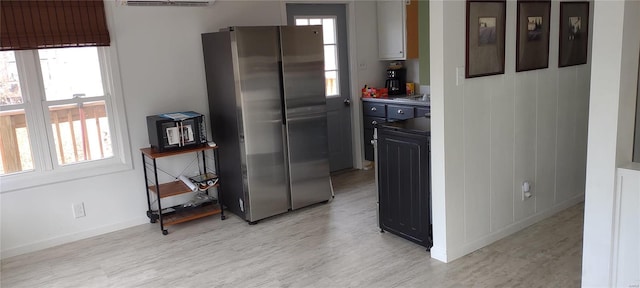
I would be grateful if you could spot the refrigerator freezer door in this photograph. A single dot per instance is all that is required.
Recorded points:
(264, 170)
(305, 102)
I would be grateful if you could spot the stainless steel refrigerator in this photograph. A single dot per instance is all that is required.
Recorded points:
(267, 110)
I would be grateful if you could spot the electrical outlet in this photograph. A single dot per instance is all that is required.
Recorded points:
(78, 210)
(526, 190)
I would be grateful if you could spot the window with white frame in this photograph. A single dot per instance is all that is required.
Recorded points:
(57, 113)
(330, 41)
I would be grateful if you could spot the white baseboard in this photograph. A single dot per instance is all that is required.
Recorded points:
(439, 254)
(454, 253)
(59, 240)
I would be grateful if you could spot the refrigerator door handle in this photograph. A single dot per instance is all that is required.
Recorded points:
(282, 107)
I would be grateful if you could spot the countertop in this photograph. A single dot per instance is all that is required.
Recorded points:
(419, 125)
(416, 100)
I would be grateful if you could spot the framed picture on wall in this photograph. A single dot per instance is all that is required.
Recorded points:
(485, 37)
(532, 34)
(574, 33)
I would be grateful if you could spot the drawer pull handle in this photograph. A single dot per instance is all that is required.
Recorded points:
(374, 122)
(373, 109)
(400, 111)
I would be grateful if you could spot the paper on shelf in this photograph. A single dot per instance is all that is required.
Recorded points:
(179, 116)
(188, 182)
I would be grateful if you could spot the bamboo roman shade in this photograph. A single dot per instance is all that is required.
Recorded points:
(36, 24)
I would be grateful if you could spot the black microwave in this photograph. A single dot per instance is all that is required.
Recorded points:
(177, 130)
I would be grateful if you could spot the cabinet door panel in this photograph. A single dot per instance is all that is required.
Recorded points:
(413, 37)
(368, 147)
(404, 192)
(391, 32)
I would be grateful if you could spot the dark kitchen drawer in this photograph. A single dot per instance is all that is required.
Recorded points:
(423, 112)
(399, 112)
(369, 122)
(373, 109)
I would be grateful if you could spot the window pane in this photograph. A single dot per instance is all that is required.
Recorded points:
(330, 59)
(329, 30)
(71, 71)
(15, 148)
(81, 132)
(331, 78)
(315, 21)
(9, 82)
(302, 22)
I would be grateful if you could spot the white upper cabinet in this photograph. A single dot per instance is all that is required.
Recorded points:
(397, 29)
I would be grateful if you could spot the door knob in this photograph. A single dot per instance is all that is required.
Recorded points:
(347, 102)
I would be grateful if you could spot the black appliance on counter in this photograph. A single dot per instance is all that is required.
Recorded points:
(396, 81)
(176, 130)
(404, 179)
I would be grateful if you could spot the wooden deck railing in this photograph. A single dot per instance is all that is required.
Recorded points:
(63, 119)
(9, 122)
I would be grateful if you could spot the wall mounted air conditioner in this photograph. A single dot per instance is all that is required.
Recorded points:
(188, 3)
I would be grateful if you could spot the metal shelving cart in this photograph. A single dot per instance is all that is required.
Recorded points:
(178, 214)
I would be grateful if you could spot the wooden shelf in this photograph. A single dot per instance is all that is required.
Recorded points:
(174, 188)
(191, 214)
(171, 189)
(153, 154)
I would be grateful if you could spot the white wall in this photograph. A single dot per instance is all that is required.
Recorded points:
(369, 69)
(636, 146)
(625, 262)
(490, 134)
(611, 230)
(161, 70)
(160, 57)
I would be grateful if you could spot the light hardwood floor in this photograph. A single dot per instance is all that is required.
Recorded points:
(329, 245)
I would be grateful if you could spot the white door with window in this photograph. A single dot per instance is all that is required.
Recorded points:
(332, 17)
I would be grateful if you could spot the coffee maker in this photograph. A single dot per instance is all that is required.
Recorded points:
(396, 80)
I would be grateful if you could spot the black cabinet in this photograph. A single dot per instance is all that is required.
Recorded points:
(384, 110)
(373, 113)
(404, 179)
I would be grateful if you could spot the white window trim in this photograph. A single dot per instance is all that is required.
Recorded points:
(335, 31)
(47, 171)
